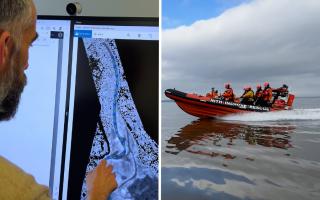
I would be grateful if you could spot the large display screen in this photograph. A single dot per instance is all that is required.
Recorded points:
(114, 83)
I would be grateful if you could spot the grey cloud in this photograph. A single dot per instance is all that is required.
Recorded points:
(265, 40)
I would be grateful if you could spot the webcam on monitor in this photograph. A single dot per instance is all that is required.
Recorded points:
(73, 8)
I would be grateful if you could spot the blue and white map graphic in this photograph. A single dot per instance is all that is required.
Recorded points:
(120, 137)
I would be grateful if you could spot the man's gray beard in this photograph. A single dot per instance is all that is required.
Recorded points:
(11, 87)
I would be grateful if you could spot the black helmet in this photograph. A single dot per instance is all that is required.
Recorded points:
(285, 86)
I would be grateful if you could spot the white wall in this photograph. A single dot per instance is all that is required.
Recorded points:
(106, 8)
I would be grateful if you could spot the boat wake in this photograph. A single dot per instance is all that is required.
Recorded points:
(287, 115)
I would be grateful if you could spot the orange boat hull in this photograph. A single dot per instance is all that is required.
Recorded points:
(205, 107)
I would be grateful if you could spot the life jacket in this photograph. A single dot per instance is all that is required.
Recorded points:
(267, 94)
(212, 95)
(259, 93)
(228, 94)
(282, 91)
(248, 95)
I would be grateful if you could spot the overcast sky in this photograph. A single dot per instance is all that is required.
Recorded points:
(245, 44)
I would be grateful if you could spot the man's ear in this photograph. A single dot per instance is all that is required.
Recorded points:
(4, 47)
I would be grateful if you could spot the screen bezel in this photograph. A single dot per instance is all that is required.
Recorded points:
(133, 21)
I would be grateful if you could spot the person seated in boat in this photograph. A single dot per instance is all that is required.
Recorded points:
(258, 96)
(267, 95)
(247, 96)
(228, 94)
(213, 94)
(280, 92)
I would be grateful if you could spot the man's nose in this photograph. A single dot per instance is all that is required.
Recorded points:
(26, 66)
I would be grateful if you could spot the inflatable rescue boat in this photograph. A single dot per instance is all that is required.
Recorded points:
(208, 106)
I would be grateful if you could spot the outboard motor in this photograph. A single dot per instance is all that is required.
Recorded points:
(290, 100)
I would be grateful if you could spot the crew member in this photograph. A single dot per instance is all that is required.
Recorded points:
(267, 95)
(282, 92)
(258, 96)
(214, 93)
(247, 96)
(228, 93)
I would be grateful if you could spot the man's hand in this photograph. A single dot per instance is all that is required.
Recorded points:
(101, 182)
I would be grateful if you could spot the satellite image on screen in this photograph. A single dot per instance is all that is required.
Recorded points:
(119, 135)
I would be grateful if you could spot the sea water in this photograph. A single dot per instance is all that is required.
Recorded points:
(251, 156)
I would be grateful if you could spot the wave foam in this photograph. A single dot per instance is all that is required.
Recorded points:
(296, 114)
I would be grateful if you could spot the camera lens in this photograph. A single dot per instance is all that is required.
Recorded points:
(71, 9)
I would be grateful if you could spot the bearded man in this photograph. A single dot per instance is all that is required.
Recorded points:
(17, 33)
